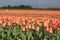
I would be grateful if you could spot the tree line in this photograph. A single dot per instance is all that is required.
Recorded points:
(26, 7)
(16, 7)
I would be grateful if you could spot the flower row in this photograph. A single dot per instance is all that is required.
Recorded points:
(34, 23)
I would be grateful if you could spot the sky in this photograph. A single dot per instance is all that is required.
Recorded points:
(33, 3)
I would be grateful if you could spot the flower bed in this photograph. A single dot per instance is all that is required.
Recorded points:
(29, 28)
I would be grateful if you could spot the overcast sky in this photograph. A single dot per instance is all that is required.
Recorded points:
(33, 3)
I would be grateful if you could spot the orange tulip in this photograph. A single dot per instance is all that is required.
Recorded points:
(13, 21)
(33, 28)
(4, 17)
(23, 19)
(23, 29)
(9, 24)
(17, 22)
(4, 24)
(0, 21)
(38, 22)
(50, 31)
(9, 18)
(37, 29)
(29, 26)
(45, 24)
(23, 23)
(47, 29)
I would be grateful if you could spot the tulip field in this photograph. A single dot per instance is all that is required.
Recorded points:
(29, 25)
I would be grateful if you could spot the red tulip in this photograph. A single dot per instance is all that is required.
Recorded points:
(54, 27)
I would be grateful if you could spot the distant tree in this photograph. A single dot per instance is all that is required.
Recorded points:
(25, 7)
(9, 6)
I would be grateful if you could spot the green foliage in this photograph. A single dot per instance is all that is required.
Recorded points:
(15, 33)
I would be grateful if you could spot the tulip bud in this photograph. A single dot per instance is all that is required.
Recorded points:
(29, 26)
(23, 29)
(4, 24)
(54, 28)
(33, 28)
(9, 24)
(50, 31)
(0, 21)
(26, 27)
(37, 29)
(47, 29)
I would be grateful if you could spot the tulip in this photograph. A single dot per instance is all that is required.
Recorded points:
(38, 22)
(9, 18)
(23, 29)
(27, 27)
(50, 30)
(17, 22)
(37, 29)
(23, 23)
(59, 25)
(23, 19)
(54, 27)
(45, 24)
(4, 17)
(9, 24)
(58, 28)
(4, 24)
(0, 21)
(47, 29)
(33, 28)
(13, 21)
